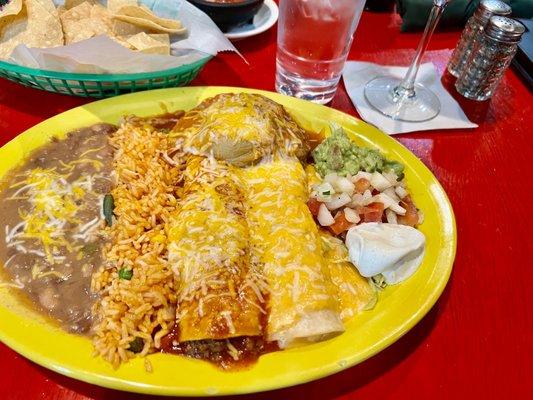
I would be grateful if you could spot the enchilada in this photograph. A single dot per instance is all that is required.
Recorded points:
(354, 293)
(241, 129)
(209, 253)
(286, 242)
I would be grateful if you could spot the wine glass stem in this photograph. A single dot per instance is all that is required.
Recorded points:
(406, 88)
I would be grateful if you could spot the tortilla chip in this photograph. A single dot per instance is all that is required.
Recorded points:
(12, 8)
(37, 25)
(85, 21)
(48, 5)
(122, 42)
(77, 13)
(115, 5)
(101, 14)
(74, 22)
(163, 38)
(143, 17)
(150, 44)
(13, 25)
(150, 25)
(12, 13)
(121, 28)
(74, 3)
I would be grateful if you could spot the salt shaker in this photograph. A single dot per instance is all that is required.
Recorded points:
(473, 31)
(489, 58)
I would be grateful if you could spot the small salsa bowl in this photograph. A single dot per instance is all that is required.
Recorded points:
(229, 13)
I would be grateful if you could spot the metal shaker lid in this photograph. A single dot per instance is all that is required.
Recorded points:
(504, 29)
(488, 8)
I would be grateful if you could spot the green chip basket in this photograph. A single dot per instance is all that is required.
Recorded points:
(100, 85)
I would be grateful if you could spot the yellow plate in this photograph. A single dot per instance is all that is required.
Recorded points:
(399, 308)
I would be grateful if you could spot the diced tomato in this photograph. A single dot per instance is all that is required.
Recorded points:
(408, 204)
(411, 213)
(340, 225)
(373, 212)
(361, 185)
(313, 205)
(408, 219)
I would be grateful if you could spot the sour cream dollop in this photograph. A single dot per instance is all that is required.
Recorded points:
(395, 251)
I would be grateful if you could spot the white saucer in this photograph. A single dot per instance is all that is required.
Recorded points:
(263, 20)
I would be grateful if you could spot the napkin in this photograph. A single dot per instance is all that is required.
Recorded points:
(101, 55)
(86, 57)
(203, 35)
(356, 74)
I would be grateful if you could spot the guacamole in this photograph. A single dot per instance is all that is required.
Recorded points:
(338, 153)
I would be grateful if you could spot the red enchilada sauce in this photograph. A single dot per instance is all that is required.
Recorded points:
(228, 354)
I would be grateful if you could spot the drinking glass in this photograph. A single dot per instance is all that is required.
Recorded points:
(314, 37)
(403, 99)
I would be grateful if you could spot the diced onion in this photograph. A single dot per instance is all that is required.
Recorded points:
(391, 177)
(379, 182)
(361, 175)
(324, 191)
(324, 217)
(338, 200)
(343, 185)
(351, 215)
(389, 203)
(324, 187)
(340, 184)
(391, 216)
(357, 200)
(398, 209)
(382, 198)
(367, 197)
(331, 178)
(401, 192)
(392, 194)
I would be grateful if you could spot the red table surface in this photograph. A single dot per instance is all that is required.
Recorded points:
(477, 339)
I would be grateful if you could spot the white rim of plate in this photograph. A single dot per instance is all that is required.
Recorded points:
(274, 13)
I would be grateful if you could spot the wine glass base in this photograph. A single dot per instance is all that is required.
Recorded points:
(380, 94)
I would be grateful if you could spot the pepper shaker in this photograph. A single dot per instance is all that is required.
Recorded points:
(473, 31)
(489, 58)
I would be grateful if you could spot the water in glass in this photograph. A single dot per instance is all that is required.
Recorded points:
(314, 37)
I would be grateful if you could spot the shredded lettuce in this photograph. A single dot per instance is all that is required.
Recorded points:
(378, 281)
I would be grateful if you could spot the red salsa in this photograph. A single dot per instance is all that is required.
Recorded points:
(228, 354)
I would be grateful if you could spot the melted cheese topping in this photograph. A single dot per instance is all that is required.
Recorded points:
(287, 244)
(354, 293)
(54, 203)
(219, 296)
(240, 129)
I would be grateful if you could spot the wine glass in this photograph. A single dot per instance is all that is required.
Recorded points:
(403, 99)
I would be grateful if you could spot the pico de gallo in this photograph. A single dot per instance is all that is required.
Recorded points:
(366, 187)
